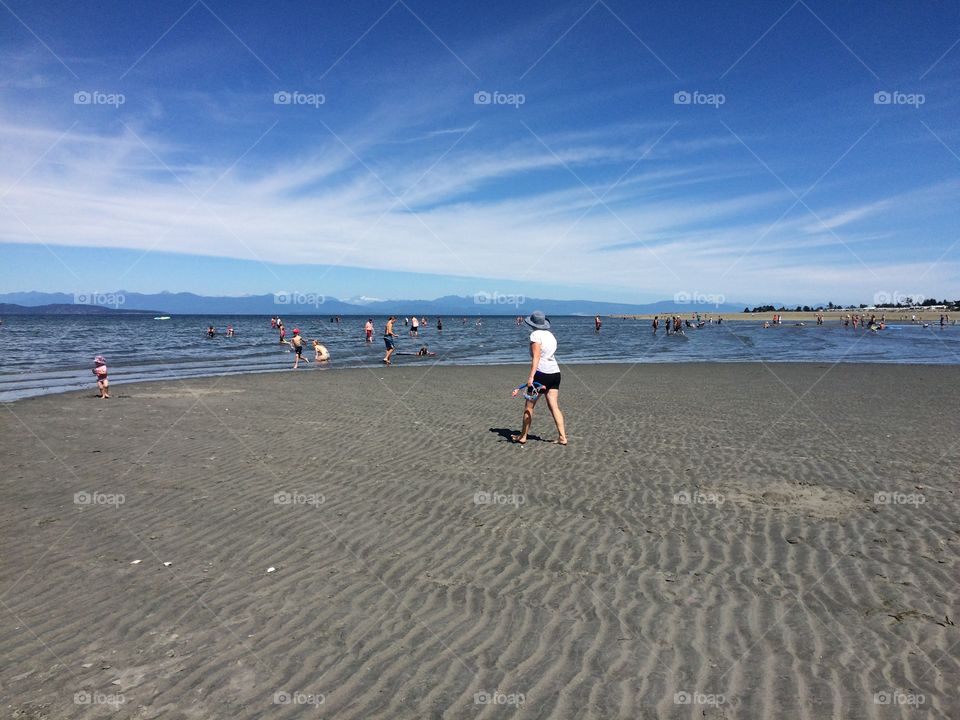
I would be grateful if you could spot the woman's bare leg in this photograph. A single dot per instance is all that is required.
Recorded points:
(553, 402)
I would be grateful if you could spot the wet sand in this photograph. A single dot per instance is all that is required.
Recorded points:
(717, 541)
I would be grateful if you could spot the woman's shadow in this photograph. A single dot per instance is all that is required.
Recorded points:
(507, 434)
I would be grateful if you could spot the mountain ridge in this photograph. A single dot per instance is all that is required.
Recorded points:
(294, 303)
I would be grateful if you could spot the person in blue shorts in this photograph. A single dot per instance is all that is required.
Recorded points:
(388, 336)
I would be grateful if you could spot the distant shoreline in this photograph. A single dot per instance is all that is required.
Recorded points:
(892, 316)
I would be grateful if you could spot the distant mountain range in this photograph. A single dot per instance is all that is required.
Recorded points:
(294, 303)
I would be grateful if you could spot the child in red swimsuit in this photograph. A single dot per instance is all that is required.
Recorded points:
(100, 370)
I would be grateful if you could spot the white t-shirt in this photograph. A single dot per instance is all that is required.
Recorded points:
(548, 346)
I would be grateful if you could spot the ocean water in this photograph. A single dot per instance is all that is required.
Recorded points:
(43, 354)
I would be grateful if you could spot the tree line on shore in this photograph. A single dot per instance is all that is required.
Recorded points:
(953, 305)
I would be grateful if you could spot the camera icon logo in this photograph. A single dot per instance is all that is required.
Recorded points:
(882, 97)
(482, 97)
(282, 298)
(82, 97)
(682, 97)
(282, 97)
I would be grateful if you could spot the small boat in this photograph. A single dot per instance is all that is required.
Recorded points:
(162, 317)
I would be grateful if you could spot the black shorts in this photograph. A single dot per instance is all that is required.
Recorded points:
(550, 381)
(298, 349)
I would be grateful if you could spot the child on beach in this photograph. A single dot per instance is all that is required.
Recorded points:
(368, 329)
(296, 342)
(100, 370)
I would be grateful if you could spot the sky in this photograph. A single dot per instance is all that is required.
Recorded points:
(777, 151)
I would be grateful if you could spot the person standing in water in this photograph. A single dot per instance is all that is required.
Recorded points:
(296, 342)
(439, 324)
(655, 324)
(388, 336)
(544, 370)
(415, 326)
(597, 322)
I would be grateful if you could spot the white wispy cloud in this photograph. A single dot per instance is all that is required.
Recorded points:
(513, 210)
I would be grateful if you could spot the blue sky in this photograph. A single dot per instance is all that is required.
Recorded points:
(146, 149)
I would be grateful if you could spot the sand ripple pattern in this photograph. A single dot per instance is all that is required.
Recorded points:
(716, 542)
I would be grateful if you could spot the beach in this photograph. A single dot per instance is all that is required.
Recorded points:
(736, 540)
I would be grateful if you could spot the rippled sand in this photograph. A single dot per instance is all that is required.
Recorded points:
(718, 541)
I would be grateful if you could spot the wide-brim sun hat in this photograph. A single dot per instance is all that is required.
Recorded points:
(537, 320)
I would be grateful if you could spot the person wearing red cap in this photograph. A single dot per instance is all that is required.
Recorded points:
(296, 342)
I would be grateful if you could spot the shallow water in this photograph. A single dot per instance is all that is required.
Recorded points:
(43, 354)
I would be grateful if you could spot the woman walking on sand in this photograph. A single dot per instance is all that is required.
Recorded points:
(544, 370)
